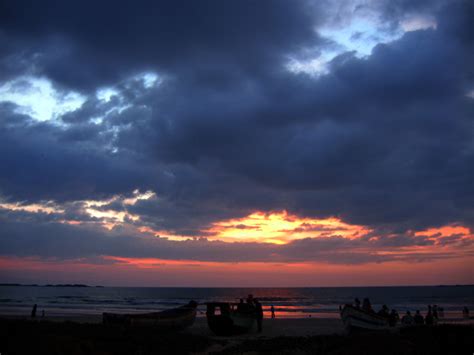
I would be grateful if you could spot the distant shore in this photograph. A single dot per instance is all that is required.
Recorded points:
(280, 336)
(237, 287)
(46, 285)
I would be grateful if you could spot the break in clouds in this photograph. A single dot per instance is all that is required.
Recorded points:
(361, 111)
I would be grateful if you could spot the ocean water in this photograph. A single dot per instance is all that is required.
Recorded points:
(321, 302)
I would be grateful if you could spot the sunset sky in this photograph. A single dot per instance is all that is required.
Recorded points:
(237, 143)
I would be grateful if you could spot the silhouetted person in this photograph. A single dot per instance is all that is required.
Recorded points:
(393, 318)
(384, 311)
(241, 306)
(366, 306)
(33, 311)
(429, 319)
(435, 312)
(465, 312)
(250, 299)
(258, 314)
(272, 309)
(418, 318)
(357, 303)
(407, 319)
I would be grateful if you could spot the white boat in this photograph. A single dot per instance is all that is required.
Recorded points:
(355, 318)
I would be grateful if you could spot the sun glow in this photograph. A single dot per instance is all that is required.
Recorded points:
(282, 227)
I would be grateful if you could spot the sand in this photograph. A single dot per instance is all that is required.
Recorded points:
(280, 336)
(281, 327)
(271, 327)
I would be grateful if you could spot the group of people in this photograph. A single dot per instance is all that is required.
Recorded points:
(432, 316)
(252, 305)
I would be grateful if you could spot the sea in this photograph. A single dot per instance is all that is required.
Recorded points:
(318, 302)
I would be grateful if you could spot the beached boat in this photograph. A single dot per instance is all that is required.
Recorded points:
(170, 319)
(230, 318)
(357, 319)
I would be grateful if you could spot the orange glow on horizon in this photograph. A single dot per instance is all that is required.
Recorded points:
(120, 271)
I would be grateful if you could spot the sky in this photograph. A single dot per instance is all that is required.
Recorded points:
(237, 143)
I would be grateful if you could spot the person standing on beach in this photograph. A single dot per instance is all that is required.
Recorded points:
(241, 306)
(407, 319)
(441, 312)
(272, 309)
(393, 318)
(259, 314)
(367, 306)
(418, 318)
(465, 312)
(33, 311)
(250, 300)
(435, 311)
(429, 319)
(384, 311)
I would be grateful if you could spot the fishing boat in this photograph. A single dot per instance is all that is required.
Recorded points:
(169, 319)
(230, 318)
(355, 318)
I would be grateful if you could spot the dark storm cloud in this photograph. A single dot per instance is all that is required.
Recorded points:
(42, 162)
(87, 43)
(384, 141)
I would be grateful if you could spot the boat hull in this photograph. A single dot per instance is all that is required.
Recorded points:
(229, 325)
(358, 319)
(226, 319)
(172, 319)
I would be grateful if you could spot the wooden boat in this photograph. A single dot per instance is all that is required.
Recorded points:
(357, 319)
(170, 319)
(230, 318)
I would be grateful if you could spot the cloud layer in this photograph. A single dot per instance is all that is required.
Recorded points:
(196, 103)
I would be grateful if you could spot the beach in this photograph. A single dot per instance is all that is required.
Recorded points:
(279, 336)
(272, 327)
(307, 322)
